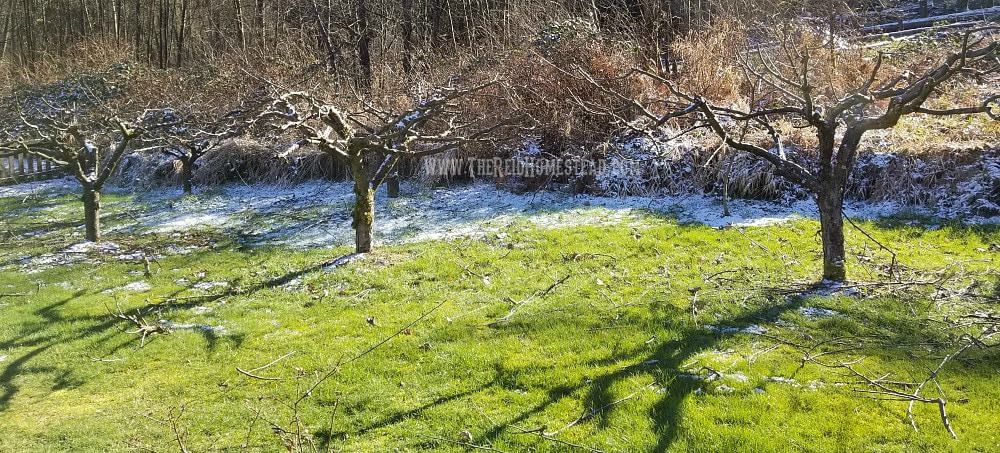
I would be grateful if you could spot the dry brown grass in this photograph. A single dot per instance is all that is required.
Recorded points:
(250, 162)
(541, 80)
(547, 86)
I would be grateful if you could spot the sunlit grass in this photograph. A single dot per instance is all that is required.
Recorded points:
(618, 338)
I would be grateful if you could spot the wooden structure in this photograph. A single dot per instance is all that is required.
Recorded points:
(16, 168)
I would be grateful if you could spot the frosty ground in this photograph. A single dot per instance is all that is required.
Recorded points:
(317, 213)
(542, 321)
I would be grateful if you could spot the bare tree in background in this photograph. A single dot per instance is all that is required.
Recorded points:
(90, 147)
(433, 125)
(193, 137)
(802, 82)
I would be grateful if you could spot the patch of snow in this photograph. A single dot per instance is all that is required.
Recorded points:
(170, 325)
(751, 329)
(783, 380)
(293, 285)
(691, 377)
(52, 186)
(201, 309)
(739, 377)
(813, 313)
(210, 285)
(83, 252)
(93, 247)
(134, 287)
(346, 259)
(532, 147)
(317, 213)
(180, 250)
(829, 288)
(3, 358)
(815, 385)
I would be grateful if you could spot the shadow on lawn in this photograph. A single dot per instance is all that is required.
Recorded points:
(665, 362)
(666, 365)
(48, 330)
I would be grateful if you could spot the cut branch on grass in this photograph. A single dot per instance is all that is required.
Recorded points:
(892, 263)
(882, 388)
(294, 439)
(367, 351)
(143, 328)
(466, 444)
(594, 411)
(538, 295)
(251, 373)
(540, 432)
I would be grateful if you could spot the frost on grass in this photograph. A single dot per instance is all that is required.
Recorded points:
(52, 186)
(317, 213)
(206, 286)
(83, 253)
(752, 329)
(215, 330)
(813, 313)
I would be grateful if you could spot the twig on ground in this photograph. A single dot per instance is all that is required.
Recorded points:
(892, 264)
(594, 411)
(371, 349)
(467, 444)
(250, 373)
(540, 432)
(539, 295)
(143, 328)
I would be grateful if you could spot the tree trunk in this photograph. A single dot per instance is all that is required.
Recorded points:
(925, 7)
(364, 45)
(408, 39)
(392, 185)
(187, 175)
(831, 220)
(364, 207)
(92, 213)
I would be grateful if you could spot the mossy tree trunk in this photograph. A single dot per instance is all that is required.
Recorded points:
(364, 205)
(831, 219)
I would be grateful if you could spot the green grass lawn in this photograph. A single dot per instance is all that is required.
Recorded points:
(630, 352)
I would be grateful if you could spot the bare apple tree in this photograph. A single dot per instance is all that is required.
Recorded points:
(194, 136)
(433, 125)
(839, 91)
(90, 146)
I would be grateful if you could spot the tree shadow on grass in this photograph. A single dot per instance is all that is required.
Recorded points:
(667, 360)
(48, 329)
(666, 365)
(326, 438)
